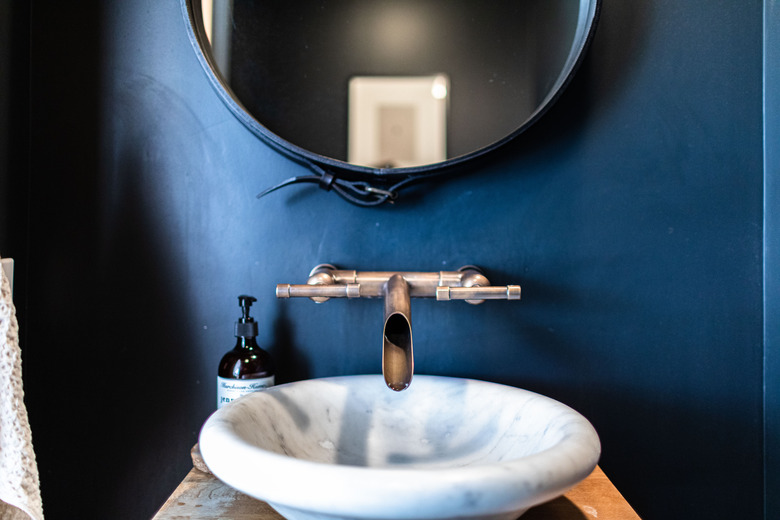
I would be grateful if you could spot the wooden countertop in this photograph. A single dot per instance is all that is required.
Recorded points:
(202, 496)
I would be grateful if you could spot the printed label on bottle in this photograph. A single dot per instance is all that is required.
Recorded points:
(231, 389)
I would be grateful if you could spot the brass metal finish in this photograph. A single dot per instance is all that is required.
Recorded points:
(397, 358)
(397, 288)
(468, 283)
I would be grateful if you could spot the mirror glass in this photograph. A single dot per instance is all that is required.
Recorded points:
(393, 83)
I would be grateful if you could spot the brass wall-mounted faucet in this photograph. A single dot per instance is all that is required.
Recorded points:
(397, 288)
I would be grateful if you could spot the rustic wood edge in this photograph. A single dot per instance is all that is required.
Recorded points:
(201, 495)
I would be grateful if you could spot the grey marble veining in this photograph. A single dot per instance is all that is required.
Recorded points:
(348, 447)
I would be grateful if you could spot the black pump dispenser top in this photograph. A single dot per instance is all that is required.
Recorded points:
(246, 326)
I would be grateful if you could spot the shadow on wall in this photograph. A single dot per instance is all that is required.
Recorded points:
(149, 263)
(291, 362)
(115, 402)
(110, 394)
(148, 396)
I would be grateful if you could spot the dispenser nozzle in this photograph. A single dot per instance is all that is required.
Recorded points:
(245, 302)
(246, 325)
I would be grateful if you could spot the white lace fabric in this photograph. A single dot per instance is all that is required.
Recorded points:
(20, 496)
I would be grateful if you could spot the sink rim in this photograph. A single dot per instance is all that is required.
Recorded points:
(355, 491)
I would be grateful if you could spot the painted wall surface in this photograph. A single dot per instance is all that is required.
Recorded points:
(631, 215)
(771, 257)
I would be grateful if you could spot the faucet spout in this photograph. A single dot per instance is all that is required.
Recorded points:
(397, 354)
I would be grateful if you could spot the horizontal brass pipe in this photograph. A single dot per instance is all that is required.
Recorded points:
(468, 284)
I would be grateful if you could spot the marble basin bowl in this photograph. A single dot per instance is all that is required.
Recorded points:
(350, 448)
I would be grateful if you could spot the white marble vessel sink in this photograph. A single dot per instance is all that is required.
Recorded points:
(350, 448)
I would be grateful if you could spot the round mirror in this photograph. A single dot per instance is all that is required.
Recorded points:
(388, 90)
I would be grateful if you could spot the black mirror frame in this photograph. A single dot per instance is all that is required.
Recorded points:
(362, 185)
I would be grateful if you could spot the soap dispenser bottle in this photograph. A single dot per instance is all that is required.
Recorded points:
(247, 368)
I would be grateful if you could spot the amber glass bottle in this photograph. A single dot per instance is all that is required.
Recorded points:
(247, 368)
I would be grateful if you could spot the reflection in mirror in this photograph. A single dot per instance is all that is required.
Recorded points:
(397, 121)
(357, 80)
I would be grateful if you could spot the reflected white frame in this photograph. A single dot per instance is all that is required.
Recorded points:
(427, 96)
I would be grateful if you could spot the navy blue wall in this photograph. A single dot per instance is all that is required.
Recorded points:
(772, 255)
(631, 215)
